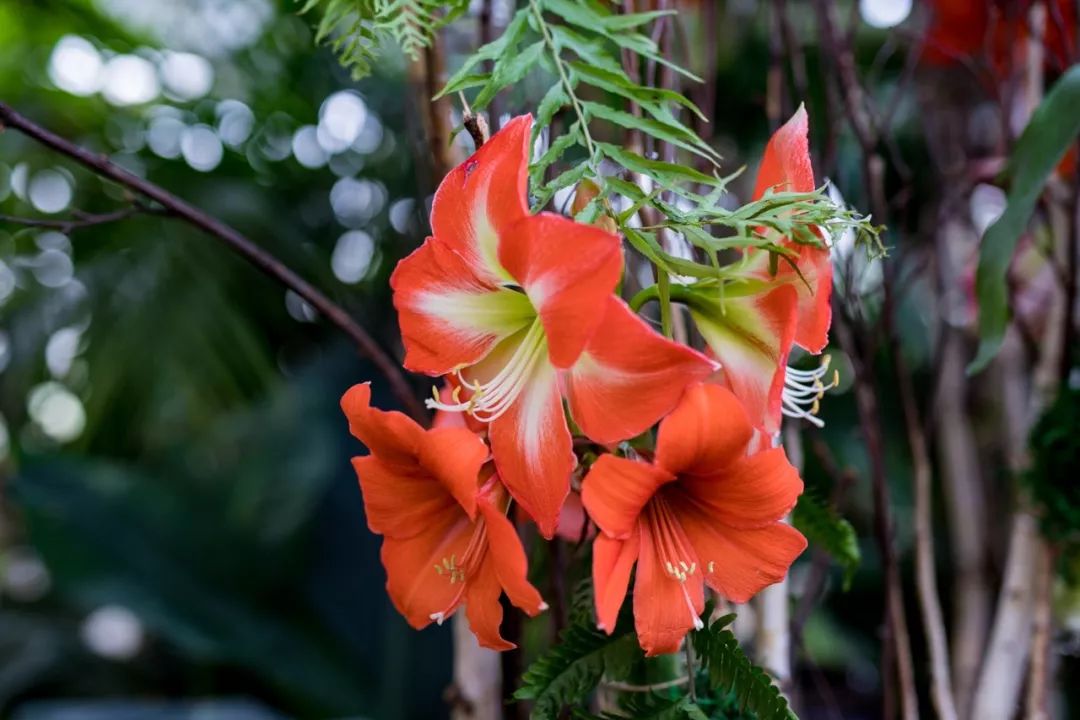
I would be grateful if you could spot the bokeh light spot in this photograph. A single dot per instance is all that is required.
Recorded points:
(75, 66)
(884, 13)
(201, 147)
(53, 268)
(130, 80)
(114, 632)
(352, 256)
(341, 119)
(187, 76)
(235, 122)
(57, 411)
(306, 147)
(49, 191)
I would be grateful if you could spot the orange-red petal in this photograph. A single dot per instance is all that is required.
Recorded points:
(480, 199)
(753, 492)
(613, 560)
(751, 336)
(629, 376)
(615, 491)
(708, 431)
(483, 608)
(454, 457)
(399, 502)
(664, 608)
(392, 436)
(785, 166)
(508, 558)
(740, 563)
(567, 269)
(815, 293)
(417, 590)
(532, 448)
(450, 315)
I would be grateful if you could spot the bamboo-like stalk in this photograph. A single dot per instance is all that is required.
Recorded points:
(477, 676)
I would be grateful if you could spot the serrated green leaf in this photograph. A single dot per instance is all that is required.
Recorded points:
(1053, 127)
(553, 101)
(619, 83)
(664, 172)
(568, 673)
(497, 48)
(508, 70)
(730, 670)
(676, 134)
(629, 21)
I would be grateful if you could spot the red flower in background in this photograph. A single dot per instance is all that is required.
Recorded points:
(961, 30)
(447, 539)
(703, 513)
(520, 309)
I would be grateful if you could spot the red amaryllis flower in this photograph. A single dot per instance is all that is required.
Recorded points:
(446, 537)
(786, 167)
(520, 308)
(751, 333)
(702, 513)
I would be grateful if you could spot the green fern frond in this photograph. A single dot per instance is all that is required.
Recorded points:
(568, 673)
(649, 706)
(355, 28)
(825, 528)
(731, 671)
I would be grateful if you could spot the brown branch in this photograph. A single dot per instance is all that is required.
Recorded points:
(1037, 707)
(81, 220)
(941, 690)
(260, 258)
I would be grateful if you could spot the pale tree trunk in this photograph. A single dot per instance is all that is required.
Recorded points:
(773, 610)
(477, 676)
(965, 501)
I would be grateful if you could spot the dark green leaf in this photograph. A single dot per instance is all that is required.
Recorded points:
(1052, 128)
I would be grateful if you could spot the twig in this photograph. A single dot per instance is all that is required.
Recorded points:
(81, 220)
(260, 258)
(475, 123)
(1042, 621)
(925, 579)
(897, 640)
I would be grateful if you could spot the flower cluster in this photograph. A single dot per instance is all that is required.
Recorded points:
(547, 373)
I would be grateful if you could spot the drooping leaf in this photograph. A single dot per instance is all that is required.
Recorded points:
(1053, 127)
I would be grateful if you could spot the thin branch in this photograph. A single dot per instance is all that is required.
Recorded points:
(260, 258)
(941, 690)
(81, 220)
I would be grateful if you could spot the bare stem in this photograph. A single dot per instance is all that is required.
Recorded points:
(257, 256)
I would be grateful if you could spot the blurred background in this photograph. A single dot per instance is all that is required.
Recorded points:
(181, 533)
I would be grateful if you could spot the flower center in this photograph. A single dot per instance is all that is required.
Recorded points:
(803, 390)
(458, 571)
(672, 549)
(489, 400)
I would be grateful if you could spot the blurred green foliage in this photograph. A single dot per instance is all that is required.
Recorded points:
(208, 489)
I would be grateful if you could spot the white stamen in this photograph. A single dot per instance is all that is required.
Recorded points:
(803, 390)
(491, 399)
(438, 618)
